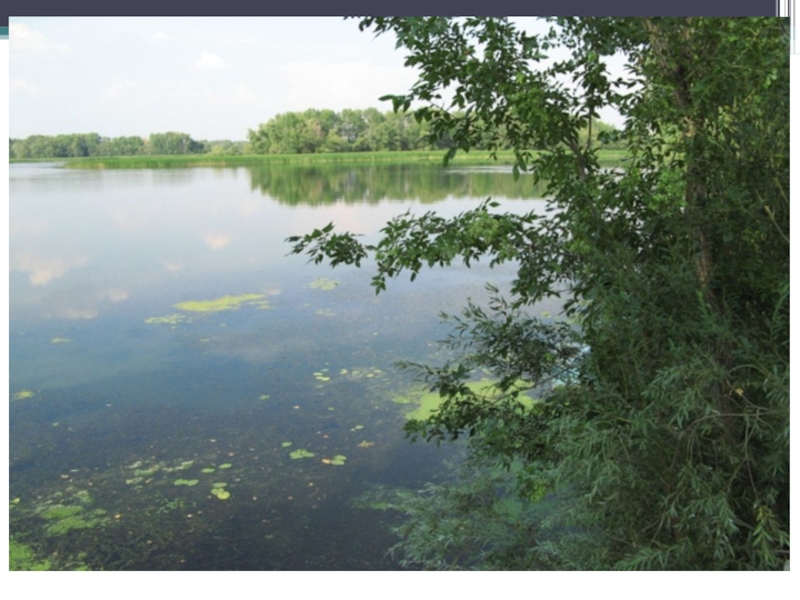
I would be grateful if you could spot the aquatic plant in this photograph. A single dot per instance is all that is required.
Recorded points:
(225, 466)
(220, 304)
(22, 395)
(264, 397)
(301, 453)
(208, 470)
(187, 482)
(60, 340)
(285, 444)
(173, 320)
(21, 557)
(323, 283)
(221, 493)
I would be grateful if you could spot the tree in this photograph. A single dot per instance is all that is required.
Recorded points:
(666, 438)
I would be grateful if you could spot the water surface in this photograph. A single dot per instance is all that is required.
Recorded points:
(118, 392)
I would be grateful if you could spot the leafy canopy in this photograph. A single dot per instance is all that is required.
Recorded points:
(668, 441)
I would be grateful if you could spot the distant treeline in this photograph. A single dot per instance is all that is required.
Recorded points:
(309, 132)
(92, 144)
(369, 130)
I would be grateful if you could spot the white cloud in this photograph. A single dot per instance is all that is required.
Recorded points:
(24, 39)
(209, 62)
(115, 89)
(20, 86)
(160, 37)
(343, 85)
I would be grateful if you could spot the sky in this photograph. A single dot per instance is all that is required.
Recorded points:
(213, 78)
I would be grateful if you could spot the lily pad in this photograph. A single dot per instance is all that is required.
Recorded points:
(323, 283)
(187, 482)
(264, 397)
(301, 453)
(286, 444)
(221, 493)
(225, 466)
(208, 470)
(219, 484)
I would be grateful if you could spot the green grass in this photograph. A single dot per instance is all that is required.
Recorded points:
(608, 158)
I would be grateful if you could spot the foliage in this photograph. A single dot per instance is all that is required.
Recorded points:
(669, 438)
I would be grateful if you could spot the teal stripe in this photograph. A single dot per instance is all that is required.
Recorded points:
(3, 33)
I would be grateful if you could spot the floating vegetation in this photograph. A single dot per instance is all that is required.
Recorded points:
(264, 397)
(320, 376)
(219, 484)
(365, 444)
(22, 558)
(23, 395)
(173, 320)
(363, 373)
(301, 453)
(60, 340)
(357, 428)
(427, 402)
(225, 466)
(325, 312)
(64, 519)
(285, 444)
(187, 482)
(337, 460)
(323, 283)
(208, 470)
(221, 493)
(223, 303)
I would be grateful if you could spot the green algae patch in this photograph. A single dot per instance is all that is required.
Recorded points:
(65, 518)
(428, 402)
(60, 340)
(301, 453)
(58, 512)
(323, 283)
(187, 482)
(23, 395)
(173, 320)
(220, 304)
(21, 557)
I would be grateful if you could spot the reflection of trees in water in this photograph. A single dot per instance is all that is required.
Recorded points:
(371, 184)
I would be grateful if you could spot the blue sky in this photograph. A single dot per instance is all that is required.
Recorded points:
(210, 77)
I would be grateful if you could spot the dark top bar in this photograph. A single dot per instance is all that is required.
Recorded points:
(155, 8)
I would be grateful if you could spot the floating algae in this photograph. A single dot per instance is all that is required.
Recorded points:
(428, 402)
(223, 303)
(323, 283)
(264, 397)
(60, 340)
(221, 493)
(22, 395)
(301, 453)
(173, 320)
(65, 518)
(187, 482)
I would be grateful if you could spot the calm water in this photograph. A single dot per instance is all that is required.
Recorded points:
(117, 394)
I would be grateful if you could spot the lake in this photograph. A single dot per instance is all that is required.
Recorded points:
(186, 396)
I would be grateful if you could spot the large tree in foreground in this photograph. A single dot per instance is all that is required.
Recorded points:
(667, 443)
